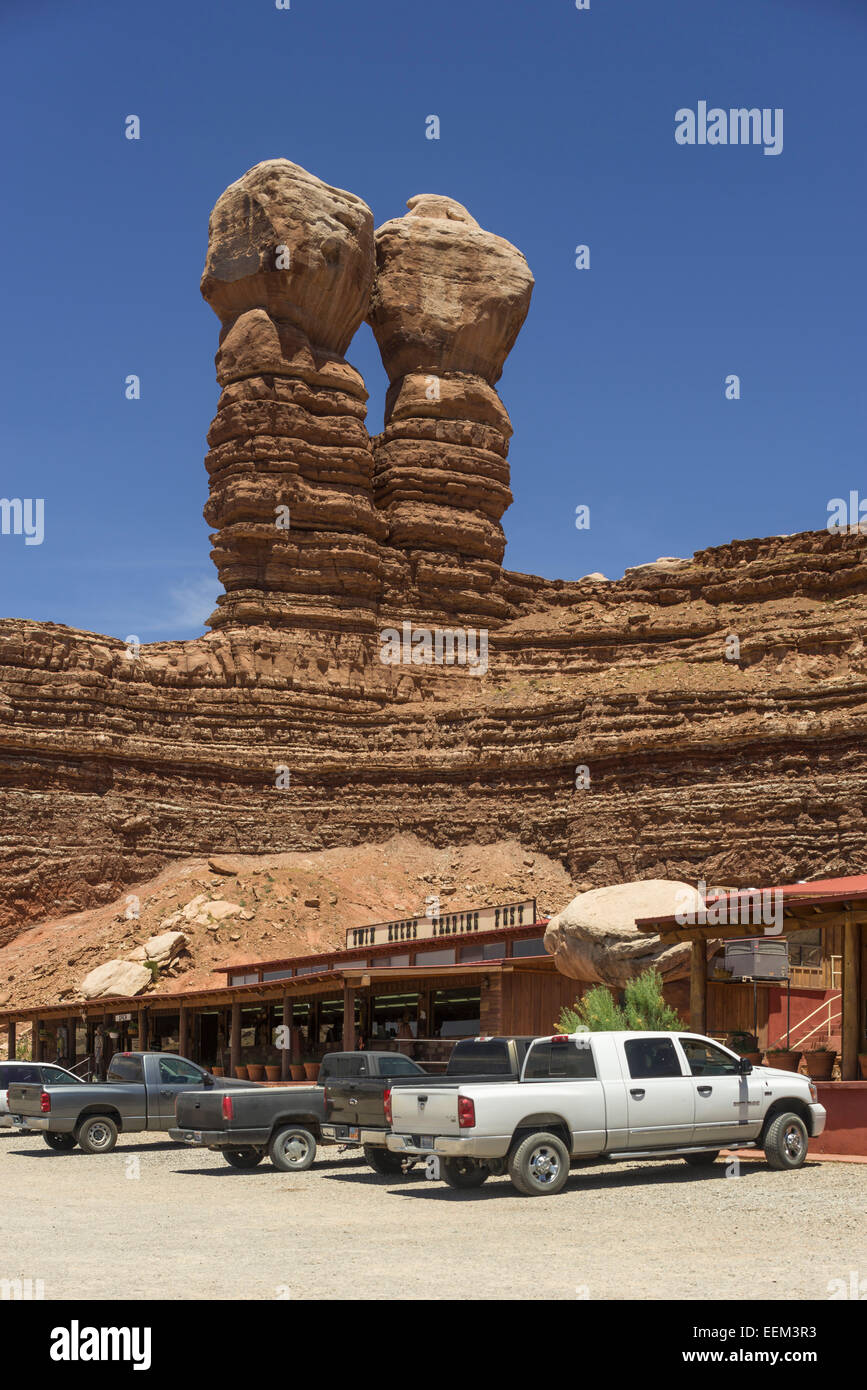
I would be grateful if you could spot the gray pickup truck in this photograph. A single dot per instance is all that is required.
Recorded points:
(357, 1107)
(284, 1122)
(139, 1093)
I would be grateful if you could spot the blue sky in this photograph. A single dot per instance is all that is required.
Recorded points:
(557, 128)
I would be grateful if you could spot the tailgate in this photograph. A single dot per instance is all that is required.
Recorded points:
(419, 1110)
(357, 1102)
(203, 1109)
(25, 1099)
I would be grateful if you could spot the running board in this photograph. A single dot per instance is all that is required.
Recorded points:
(676, 1153)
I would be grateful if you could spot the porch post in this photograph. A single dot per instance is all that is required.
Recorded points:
(183, 1031)
(235, 1038)
(851, 1028)
(12, 1042)
(286, 1050)
(348, 1018)
(36, 1044)
(698, 986)
(143, 1029)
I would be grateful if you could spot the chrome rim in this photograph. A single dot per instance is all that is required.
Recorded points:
(294, 1148)
(99, 1135)
(544, 1165)
(794, 1142)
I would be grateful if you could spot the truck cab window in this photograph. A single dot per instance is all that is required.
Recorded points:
(650, 1057)
(175, 1072)
(126, 1069)
(706, 1060)
(560, 1061)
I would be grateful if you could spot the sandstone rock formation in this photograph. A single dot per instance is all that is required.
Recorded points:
(448, 302)
(288, 273)
(116, 978)
(595, 938)
(160, 949)
(746, 770)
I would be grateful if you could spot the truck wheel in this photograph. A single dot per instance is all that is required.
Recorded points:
(243, 1158)
(292, 1149)
(786, 1142)
(701, 1160)
(539, 1166)
(97, 1134)
(462, 1172)
(383, 1161)
(61, 1142)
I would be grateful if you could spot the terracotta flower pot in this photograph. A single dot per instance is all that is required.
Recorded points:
(241, 1073)
(819, 1065)
(862, 1065)
(783, 1061)
(311, 1070)
(754, 1057)
(272, 1073)
(217, 1071)
(255, 1071)
(296, 1071)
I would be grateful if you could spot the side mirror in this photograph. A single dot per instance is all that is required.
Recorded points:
(208, 1080)
(745, 1066)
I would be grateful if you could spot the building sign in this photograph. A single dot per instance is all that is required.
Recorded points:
(123, 1018)
(522, 914)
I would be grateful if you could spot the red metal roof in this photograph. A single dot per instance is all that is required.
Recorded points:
(817, 892)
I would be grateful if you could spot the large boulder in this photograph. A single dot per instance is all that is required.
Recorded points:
(162, 948)
(595, 938)
(122, 978)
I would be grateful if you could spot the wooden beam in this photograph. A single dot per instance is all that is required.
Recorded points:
(235, 1039)
(286, 1038)
(183, 1030)
(348, 1018)
(11, 1041)
(698, 988)
(36, 1044)
(852, 1026)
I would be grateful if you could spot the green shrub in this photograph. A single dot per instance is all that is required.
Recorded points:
(643, 1009)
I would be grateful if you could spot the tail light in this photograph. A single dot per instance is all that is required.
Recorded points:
(228, 1108)
(466, 1113)
(45, 1103)
(386, 1105)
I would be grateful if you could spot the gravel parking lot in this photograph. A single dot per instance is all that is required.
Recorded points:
(155, 1220)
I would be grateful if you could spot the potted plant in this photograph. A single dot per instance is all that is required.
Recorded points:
(296, 1071)
(272, 1071)
(255, 1071)
(216, 1071)
(862, 1065)
(783, 1058)
(241, 1073)
(819, 1061)
(311, 1068)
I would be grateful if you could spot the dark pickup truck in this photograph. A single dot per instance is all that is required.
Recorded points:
(356, 1107)
(283, 1121)
(139, 1094)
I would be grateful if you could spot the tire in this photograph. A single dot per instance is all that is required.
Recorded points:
(383, 1161)
(61, 1143)
(539, 1166)
(243, 1158)
(701, 1160)
(292, 1149)
(97, 1134)
(786, 1141)
(462, 1172)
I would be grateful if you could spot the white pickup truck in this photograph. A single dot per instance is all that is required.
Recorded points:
(606, 1096)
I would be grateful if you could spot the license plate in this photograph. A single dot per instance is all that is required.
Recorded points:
(197, 1136)
(354, 1132)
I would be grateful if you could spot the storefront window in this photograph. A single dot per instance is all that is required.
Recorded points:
(456, 1013)
(534, 947)
(394, 1016)
(441, 957)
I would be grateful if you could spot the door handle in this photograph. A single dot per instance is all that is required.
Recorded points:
(166, 1094)
(637, 1093)
(705, 1090)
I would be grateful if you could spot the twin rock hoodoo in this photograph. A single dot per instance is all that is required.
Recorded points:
(743, 771)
